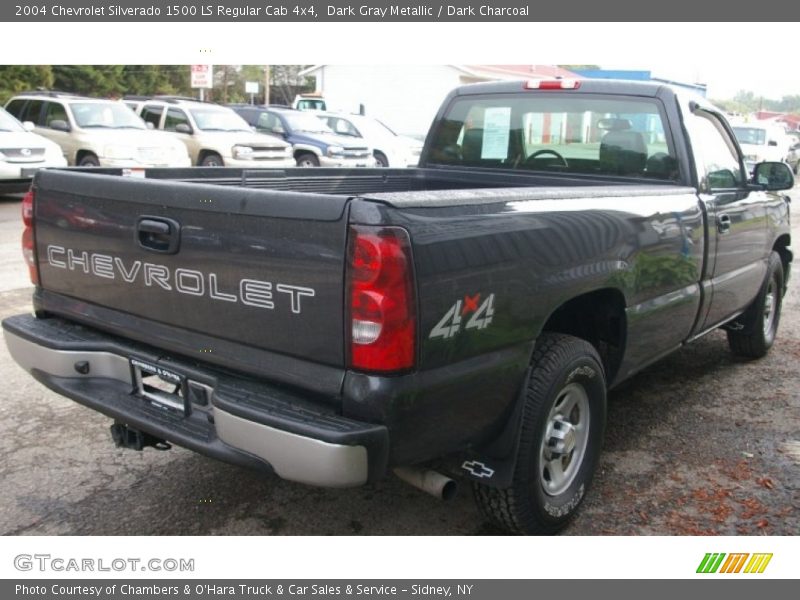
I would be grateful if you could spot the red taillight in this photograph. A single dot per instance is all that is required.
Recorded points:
(382, 316)
(27, 209)
(552, 84)
(28, 241)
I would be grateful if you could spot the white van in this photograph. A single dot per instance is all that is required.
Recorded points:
(761, 142)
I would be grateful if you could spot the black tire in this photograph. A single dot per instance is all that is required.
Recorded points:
(307, 160)
(562, 365)
(88, 160)
(752, 334)
(212, 159)
(381, 160)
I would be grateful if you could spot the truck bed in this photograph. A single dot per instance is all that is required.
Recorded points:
(257, 285)
(361, 181)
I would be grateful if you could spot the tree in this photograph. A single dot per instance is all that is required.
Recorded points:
(156, 79)
(89, 80)
(746, 101)
(286, 82)
(19, 78)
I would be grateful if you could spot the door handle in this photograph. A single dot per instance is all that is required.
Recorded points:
(723, 223)
(158, 234)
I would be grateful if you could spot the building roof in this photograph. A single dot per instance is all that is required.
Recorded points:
(767, 115)
(494, 72)
(517, 71)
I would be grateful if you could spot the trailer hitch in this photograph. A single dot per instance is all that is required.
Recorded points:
(127, 437)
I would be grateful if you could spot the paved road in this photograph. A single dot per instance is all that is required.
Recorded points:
(699, 443)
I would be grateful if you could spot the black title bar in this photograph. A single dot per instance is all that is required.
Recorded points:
(267, 11)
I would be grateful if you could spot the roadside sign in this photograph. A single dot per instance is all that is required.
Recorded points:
(202, 76)
(250, 87)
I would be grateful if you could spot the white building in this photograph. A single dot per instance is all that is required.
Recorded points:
(406, 97)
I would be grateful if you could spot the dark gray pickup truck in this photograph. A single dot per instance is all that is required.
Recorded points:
(460, 320)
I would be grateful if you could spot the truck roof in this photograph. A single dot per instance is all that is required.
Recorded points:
(586, 86)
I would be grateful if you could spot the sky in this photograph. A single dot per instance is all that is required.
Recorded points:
(760, 57)
(725, 79)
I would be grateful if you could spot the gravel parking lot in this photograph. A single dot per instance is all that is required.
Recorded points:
(700, 444)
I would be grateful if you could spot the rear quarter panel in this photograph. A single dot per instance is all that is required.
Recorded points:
(530, 254)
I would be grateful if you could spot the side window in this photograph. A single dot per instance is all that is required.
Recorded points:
(265, 122)
(152, 114)
(715, 153)
(33, 112)
(15, 107)
(343, 127)
(270, 123)
(54, 112)
(174, 118)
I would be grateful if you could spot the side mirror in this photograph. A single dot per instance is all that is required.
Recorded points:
(28, 125)
(60, 125)
(183, 128)
(772, 143)
(773, 176)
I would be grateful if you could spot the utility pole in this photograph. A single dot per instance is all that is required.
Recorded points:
(266, 84)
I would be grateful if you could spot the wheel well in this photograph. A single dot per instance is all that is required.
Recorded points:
(80, 154)
(298, 153)
(203, 153)
(599, 318)
(781, 246)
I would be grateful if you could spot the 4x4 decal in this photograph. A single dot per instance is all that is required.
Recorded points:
(455, 317)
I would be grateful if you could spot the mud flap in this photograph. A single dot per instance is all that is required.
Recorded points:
(493, 464)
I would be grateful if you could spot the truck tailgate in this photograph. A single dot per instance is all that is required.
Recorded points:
(256, 268)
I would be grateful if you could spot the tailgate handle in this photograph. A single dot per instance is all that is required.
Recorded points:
(158, 234)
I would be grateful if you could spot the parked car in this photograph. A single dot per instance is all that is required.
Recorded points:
(459, 320)
(793, 155)
(22, 153)
(96, 133)
(309, 102)
(214, 135)
(761, 142)
(388, 148)
(314, 143)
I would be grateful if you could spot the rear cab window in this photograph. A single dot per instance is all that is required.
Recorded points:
(583, 134)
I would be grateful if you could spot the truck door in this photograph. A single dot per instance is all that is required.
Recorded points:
(736, 259)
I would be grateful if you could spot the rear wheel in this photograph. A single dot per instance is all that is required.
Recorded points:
(753, 334)
(561, 434)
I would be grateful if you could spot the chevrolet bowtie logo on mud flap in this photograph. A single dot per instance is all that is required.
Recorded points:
(477, 469)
